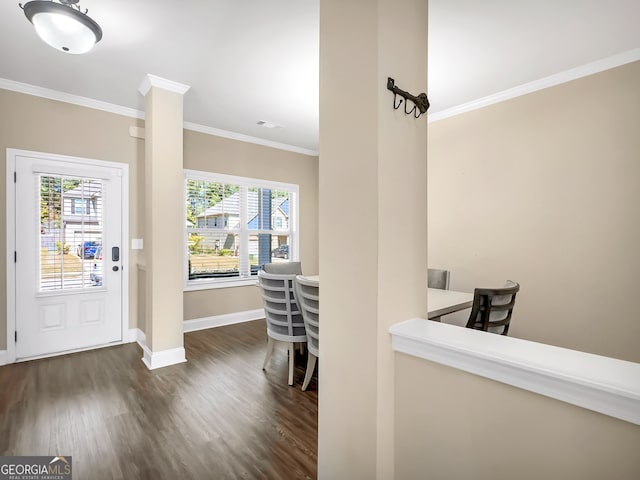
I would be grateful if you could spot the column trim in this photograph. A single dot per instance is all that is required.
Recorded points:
(154, 81)
(163, 358)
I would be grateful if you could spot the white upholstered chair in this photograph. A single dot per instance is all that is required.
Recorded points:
(308, 298)
(282, 315)
(283, 268)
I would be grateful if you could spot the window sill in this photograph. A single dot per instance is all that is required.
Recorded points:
(206, 284)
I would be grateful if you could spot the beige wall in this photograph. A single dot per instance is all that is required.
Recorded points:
(454, 425)
(231, 157)
(33, 123)
(544, 189)
(372, 224)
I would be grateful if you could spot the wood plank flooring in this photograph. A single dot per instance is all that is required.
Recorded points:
(217, 416)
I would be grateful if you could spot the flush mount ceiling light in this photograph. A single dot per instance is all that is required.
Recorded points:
(63, 25)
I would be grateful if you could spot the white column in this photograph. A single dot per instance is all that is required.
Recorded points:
(164, 221)
(373, 223)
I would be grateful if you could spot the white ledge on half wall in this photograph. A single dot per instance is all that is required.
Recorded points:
(602, 384)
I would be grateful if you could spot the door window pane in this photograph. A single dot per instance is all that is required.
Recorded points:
(71, 232)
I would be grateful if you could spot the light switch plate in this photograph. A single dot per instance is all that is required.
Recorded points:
(136, 244)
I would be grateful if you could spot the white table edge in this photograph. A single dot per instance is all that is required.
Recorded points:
(463, 301)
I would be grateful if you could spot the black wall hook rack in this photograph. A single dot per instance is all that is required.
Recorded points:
(421, 102)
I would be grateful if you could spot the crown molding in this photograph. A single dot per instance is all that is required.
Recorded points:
(248, 139)
(154, 81)
(546, 82)
(56, 95)
(64, 97)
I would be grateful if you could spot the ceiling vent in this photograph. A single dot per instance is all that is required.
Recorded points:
(265, 124)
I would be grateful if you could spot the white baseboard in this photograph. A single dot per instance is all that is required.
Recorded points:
(141, 338)
(220, 320)
(131, 335)
(160, 359)
(3, 357)
(163, 358)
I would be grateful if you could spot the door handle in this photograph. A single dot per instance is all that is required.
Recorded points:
(115, 254)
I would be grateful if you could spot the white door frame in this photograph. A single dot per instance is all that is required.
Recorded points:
(11, 243)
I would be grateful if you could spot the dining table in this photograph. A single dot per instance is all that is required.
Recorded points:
(439, 302)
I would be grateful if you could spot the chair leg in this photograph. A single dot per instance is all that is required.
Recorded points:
(270, 344)
(291, 350)
(311, 364)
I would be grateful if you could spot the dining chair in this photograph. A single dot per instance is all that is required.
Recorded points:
(287, 268)
(282, 314)
(437, 278)
(308, 298)
(492, 308)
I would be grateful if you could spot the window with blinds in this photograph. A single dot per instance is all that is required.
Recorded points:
(71, 232)
(234, 225)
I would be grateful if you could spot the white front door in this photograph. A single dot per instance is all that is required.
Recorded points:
(68, 232)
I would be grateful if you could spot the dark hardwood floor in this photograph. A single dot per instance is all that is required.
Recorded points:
(218, 416)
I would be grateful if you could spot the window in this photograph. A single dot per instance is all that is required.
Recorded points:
(69, 235)
(234, 225)
(80, 206)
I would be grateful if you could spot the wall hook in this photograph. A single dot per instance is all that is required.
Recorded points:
(421, 102)
(410, 111)
(395, 107)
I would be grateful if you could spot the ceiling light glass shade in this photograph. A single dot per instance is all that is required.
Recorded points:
(63, 27)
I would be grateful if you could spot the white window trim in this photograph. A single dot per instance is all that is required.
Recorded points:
(243, 182)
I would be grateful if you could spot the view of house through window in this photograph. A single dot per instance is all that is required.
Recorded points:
(71, 231)
(235, 225)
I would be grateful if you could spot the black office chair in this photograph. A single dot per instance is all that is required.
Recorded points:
(492, 308)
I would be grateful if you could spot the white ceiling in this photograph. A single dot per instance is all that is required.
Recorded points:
(251, 60)
(480, 48)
